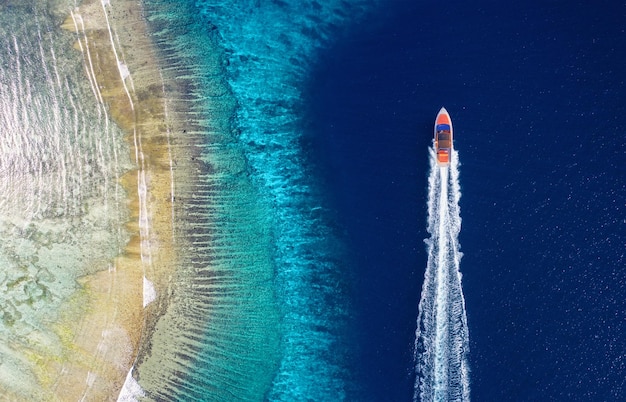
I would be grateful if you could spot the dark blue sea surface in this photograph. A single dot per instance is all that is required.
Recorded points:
(536, 94)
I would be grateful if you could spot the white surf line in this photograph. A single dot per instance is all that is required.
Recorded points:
(117, 59)
(144, 225)
(149, 292)
(91, 74)
(169, 150)
(123, 65)
(139, 156)
(123, 70)
(131, 390)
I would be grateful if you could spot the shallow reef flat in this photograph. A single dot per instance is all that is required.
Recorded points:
(123, 300)
(218, 338)
(68, 293)
(199, 233)
(92, 238)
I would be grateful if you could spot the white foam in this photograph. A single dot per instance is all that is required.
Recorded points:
(442, 336)
(149, 293)
(131, 389)
(91, 378)
(124, 72)
(106, 16)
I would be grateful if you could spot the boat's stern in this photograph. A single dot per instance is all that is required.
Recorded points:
(443, 157)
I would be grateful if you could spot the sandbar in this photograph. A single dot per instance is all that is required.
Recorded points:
(104, 325)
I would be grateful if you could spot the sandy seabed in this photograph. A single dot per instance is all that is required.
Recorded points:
(103, 327)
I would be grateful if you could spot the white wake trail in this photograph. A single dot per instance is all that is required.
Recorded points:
(442, 337)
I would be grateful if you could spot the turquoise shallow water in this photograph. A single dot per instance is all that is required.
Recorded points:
(278, 310)
(271, 47)
(217, 339)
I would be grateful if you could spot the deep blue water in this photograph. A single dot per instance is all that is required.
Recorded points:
(321, 141)
(536, 93)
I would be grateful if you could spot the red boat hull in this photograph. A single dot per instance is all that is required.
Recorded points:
(443, 137)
